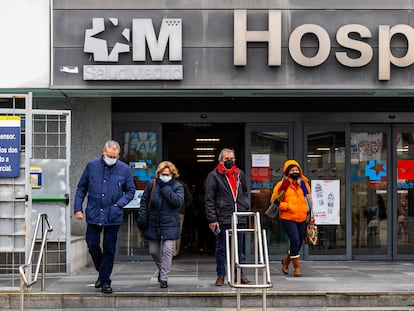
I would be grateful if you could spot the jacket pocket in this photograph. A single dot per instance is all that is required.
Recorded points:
(115, 214)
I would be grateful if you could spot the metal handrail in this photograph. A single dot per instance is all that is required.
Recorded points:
(261, 257)
(42, 219)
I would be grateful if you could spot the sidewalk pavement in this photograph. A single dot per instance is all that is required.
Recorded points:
(198, 275)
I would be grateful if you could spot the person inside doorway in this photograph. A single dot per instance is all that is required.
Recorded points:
(188, 201)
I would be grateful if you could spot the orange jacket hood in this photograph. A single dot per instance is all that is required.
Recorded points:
(295, 163)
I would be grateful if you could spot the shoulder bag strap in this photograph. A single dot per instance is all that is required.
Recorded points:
(150, 198)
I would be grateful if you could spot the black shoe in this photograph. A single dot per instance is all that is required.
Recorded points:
(107, 289)
(98, 284)
(164, 284)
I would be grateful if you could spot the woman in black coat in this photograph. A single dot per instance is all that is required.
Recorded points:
(159, 218)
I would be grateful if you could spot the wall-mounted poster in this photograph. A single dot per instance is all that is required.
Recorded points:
(9, 146)
(326, 201)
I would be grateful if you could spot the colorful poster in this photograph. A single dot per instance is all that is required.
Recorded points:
(326, 201)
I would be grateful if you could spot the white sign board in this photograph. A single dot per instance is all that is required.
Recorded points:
(326, 201)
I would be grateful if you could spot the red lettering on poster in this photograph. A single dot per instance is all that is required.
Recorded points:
(405, 169)
(260, 173)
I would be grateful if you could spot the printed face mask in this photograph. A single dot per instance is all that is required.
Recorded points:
(294, 176)
(165, 178)
(228, 164)
(110, 161)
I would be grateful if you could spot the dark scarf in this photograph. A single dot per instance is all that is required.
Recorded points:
(307, 197)
(232, 175)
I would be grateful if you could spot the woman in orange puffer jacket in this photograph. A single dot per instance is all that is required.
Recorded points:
(291, 191)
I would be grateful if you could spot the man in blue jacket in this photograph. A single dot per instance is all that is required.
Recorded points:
(109, 185)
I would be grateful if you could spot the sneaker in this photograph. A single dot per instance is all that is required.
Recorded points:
(164, 284)
(220, 280)
(244, 280)
(98, 284)
(107, 289)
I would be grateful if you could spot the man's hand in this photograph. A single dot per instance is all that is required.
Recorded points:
(79, 215)
(213, 226)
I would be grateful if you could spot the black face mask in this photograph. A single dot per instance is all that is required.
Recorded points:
(228, 164)
(294, 176)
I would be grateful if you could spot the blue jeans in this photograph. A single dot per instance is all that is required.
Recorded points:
(221, 248)
(296, 233)
(103, 259)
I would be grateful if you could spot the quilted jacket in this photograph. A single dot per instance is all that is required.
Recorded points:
(162, 220)
(105, 186)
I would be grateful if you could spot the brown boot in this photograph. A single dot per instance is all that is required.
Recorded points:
(296, 265)
(285, 264)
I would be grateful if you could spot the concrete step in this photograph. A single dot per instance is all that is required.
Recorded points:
(243, 309)
(226, 300)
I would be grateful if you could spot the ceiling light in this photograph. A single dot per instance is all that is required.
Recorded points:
(207, 139)
(323, 149)
(204, 149)
(206, 156)
(205, 160)
(314, 156)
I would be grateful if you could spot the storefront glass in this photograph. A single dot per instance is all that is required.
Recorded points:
(369, 193)
(269, 150)
(326, 170)
(139, 150)
(405, 192)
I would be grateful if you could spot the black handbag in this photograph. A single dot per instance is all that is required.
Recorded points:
(273, 209)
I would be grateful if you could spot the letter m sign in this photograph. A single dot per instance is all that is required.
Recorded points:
(143, 32)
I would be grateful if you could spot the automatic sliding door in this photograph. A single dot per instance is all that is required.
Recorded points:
(405, 192)
(269, 149)
(369, 188)
(326, 168)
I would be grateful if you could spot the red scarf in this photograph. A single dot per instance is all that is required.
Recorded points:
(232, 175)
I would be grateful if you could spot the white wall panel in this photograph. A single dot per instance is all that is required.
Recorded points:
(24, 43)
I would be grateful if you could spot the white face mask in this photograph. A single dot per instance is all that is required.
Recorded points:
(165, 178)
(110, 161)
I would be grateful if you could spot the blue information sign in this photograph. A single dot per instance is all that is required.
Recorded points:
(9, 146)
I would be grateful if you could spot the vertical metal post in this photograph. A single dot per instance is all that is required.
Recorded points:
(238, 299)
(21, 293)
(43, 258)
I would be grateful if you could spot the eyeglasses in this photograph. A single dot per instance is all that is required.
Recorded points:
(165, 174)
(229, 159)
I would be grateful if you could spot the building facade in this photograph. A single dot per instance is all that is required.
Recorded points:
(328, 84)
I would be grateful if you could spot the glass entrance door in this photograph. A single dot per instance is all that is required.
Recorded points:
(140, 149)
(404, 199)
(270, 147)
(326, 168)
(370, 188)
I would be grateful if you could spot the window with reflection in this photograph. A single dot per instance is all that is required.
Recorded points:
(326, 171)
(269, 150)
(405, 193)
(369, 193)
(139, 150)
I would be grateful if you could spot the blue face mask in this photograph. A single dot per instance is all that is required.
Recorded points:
(110, 161)
(165, 178)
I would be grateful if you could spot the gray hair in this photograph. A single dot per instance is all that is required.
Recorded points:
(112, 144)
(220, 157)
